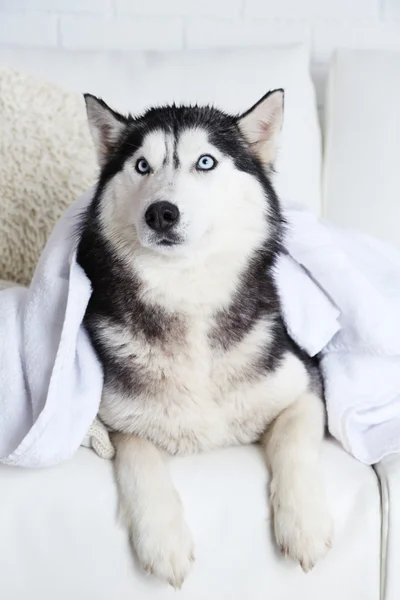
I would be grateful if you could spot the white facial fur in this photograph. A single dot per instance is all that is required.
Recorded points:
(216, 206)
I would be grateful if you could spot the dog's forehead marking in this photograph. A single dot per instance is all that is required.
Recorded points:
(155, 148)
(163, 148)
(169, 148)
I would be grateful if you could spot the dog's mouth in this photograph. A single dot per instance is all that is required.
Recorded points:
(167, 241)
(164, 241)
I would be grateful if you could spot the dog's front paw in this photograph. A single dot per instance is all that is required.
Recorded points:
(164, 544)
(303, 524)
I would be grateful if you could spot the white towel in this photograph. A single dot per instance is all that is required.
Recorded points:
(50, 378)
(340, 295)
(348, 282)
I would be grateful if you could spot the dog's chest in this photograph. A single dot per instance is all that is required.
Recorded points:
(192, 394)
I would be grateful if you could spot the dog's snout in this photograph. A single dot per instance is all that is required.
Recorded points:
(161, 216)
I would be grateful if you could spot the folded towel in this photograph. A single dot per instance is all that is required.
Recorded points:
(340, 295)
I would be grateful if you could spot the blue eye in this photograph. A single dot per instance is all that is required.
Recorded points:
(142, 166)
(206, 163)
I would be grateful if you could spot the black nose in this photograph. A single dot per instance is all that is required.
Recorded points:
(161, 216)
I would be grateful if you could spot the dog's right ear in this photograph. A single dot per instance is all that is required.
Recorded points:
(106, 126)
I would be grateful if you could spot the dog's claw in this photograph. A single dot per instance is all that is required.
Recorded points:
(306, 566)
(147, 569)
(176, 583)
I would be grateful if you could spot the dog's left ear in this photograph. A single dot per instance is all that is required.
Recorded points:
(106, 126)
(261, 126)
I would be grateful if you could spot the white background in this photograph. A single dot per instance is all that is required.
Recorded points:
(174, 24)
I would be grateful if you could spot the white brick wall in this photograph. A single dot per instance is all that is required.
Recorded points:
(174, 24)
(147, 33)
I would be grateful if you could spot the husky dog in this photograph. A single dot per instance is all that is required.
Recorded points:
(180, 243)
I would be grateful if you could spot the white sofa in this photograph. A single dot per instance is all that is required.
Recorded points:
(59, 536)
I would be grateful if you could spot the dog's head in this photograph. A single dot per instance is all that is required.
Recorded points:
(179, 178)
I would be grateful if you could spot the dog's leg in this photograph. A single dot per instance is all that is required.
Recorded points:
(152, 510)
(302, 522)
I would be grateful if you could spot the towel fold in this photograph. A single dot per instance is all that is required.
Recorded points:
(358, 280)
(340, 294)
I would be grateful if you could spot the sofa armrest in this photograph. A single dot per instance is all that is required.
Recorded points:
(388, 471)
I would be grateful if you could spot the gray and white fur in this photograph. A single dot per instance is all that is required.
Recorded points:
(180, 243)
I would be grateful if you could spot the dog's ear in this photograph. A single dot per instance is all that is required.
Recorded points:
(105, 125)
(261, 126)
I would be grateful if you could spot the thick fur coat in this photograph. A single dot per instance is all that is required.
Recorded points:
(180, 244)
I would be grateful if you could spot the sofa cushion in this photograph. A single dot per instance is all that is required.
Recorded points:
(46, 161)
(59, 537)
(361, 174)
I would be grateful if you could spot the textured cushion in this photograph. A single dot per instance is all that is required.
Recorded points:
(6, 284)
(46, 161)
(362, 174)
(47, 149)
